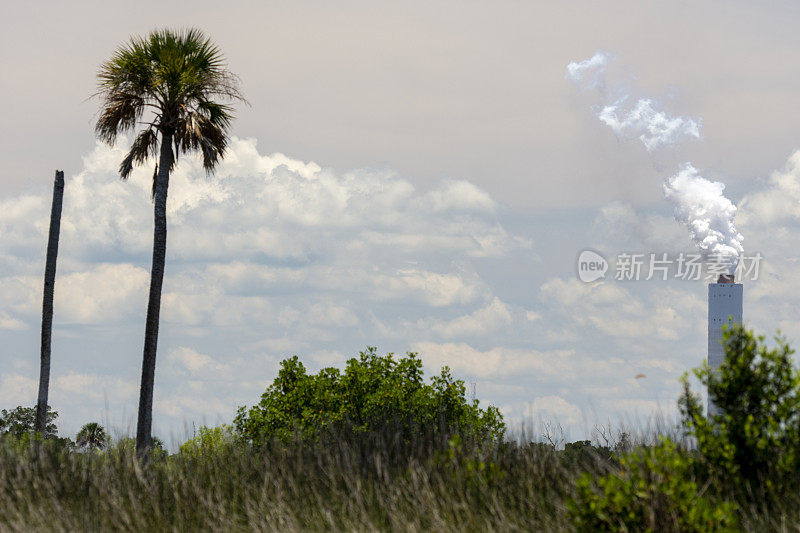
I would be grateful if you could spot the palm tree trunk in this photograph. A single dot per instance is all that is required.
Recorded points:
(145, 421)
(47, 301)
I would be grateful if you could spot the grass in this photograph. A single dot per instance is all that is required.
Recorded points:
(365, 484)
(375, 483)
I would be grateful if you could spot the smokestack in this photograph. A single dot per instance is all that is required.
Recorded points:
(724, 307)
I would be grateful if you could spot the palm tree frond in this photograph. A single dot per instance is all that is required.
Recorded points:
(144, 146)
(181, 80)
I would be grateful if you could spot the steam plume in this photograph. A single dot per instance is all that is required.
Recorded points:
(654, 128)
(593, 69)
(701, 205)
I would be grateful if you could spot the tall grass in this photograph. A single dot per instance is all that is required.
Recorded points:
(360, 484)
(376, 482)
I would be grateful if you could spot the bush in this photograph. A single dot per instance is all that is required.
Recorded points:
(20, 420)
(373, 392)
(209, 441)
(583, 455)
(753, 443)
(653, 491)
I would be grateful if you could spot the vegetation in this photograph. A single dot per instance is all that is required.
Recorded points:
(315, 454)
(175, 84)
(92, 436)
(373, 392)
(22, 420)
(654, 490)
(753, 442)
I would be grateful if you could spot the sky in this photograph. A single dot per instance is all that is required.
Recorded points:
(414, 176)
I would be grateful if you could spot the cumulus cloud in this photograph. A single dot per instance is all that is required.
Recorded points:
(496, 362)
(615, 311)
(103, 294)
(188, 359)
(556, 408)
(779, 202)
(263, 221)
(619, 226)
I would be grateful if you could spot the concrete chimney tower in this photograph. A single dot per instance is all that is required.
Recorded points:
(724, 307)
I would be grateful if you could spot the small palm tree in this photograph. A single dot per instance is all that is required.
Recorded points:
(92, 436)
(170, 86)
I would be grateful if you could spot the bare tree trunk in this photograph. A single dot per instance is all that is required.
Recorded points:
(145, 421)
(47, 301)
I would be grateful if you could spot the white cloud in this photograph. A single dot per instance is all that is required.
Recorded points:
(495, 362)
(458, 196)
(17, 389)
(82, 387)
(556, 408)
(619, 227)
(103, 294)
(614, 311)
(193, 361)
(9, 322)
(496, 315)
(779, 202)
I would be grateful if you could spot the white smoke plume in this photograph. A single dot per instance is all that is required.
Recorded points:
(643, 120)
(593, 69)
(654, 128)
(701, 205)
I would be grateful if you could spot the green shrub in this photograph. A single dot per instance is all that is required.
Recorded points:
(20, 420)
(127, 445)
(753, 443)
(583, 455)
(654, 490)
(372, 392)
(209, 441)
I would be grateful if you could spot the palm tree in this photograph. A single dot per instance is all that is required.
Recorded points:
(170, 87)
(92, 436)
(40, 424)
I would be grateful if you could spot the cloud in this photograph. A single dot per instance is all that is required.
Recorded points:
(614, 311)
(555, 408)
(17, 389)
(101, 295)
(495, 316)
(779, 202)
(458, 195)
(496, 362)
(262, 222)
(619, 227)
(194, 362)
